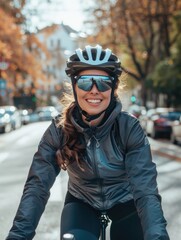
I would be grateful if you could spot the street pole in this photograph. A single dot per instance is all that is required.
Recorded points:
(3, 86)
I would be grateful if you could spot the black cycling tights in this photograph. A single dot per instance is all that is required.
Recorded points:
(83, 221)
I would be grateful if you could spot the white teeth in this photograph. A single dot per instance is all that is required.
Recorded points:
(94, 100)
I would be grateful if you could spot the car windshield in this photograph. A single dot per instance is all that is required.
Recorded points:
(171, 116)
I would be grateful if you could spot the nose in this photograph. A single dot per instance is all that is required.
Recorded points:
(94, 89)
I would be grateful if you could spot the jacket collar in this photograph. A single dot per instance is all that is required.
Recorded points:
(102, 129)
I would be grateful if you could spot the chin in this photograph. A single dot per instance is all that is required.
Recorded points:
(94, 112)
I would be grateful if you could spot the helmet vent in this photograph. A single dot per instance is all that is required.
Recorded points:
(102, 56)
(85, 55)
(95, 56)
(91, 57)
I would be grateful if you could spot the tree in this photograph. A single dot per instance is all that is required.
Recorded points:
(167, 74)
(21, 50)
(141, 29)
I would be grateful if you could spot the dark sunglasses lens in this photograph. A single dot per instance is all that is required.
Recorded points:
(103, 83)
(84, 84)
(103, 86)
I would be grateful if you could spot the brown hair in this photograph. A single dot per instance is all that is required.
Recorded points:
(73, 148)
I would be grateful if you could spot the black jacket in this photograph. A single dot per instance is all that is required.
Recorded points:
(118, 167)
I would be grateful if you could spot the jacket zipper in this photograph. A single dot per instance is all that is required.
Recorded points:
(99, 181)
(97, 141)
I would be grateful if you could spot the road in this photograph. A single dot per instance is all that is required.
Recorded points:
(16, 152)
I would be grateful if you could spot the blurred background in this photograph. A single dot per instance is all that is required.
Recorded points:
(37, 37)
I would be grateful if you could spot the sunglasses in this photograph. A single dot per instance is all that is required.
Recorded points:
(86, 82)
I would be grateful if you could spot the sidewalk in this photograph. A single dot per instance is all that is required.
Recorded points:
(166, 149)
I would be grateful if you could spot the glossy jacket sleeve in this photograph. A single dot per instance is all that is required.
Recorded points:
(142, 175)
(41, 177)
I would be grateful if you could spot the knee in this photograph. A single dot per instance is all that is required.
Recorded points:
(80, 234)
(80, 220)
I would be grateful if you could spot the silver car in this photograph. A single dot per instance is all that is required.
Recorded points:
(15, 116)
(46, 113)
(5, 122)
(176, 132)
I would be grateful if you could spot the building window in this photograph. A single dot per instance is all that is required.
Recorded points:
(58, 43)
(51, 42)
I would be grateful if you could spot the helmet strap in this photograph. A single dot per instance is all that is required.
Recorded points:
(88, 117)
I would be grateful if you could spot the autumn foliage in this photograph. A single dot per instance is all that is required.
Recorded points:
(142, 31)
(20, 49)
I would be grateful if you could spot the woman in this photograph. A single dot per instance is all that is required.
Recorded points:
(107, 157)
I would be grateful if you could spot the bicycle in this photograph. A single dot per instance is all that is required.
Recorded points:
(68, 236)
(104, 220)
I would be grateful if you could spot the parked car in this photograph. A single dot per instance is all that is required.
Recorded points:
(25, 116)
(46, 113)
(144, 118)
(176, 132)
(33, 116)
(5, 122)
(15, 116)
(158, 122)
(136, 110)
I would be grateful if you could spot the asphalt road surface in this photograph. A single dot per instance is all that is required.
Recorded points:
(16, 152)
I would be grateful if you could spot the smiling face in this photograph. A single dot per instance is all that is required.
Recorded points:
(93, 101)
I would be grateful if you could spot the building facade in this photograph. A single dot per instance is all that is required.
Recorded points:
(61, 41)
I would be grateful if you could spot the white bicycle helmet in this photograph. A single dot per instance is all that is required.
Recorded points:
(95, 58)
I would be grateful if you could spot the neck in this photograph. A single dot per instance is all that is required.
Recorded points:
(94, 122)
